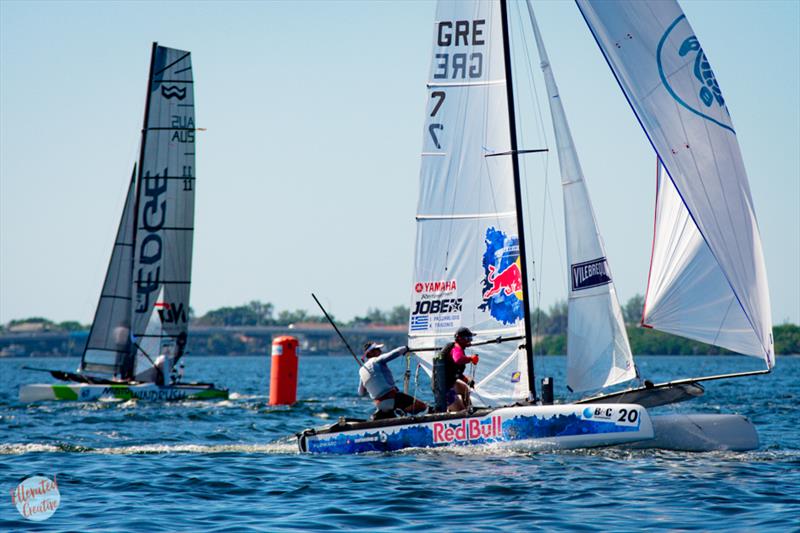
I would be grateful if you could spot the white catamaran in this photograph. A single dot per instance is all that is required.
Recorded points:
(470, 266)
(707, 279)
(140, 326)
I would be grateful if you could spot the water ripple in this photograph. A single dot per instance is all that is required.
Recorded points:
(234, 466)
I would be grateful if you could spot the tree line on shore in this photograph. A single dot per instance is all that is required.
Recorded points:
(550, 328)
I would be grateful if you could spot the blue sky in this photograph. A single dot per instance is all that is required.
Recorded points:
(308, 173)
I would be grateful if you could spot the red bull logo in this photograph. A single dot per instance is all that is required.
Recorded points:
(468, 430)
(502, 283)
(508, 281)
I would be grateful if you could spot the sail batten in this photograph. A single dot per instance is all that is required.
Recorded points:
(467, 216)
(667, 79)
(465, 83)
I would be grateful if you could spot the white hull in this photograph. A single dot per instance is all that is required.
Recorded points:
(541, 427)
(85, 392)
(701, 433)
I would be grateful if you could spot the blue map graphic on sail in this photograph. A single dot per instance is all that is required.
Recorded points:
(502, 282)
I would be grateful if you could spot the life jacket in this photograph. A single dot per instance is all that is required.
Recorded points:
(452, 371)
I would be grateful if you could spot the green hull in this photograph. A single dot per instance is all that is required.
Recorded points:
(84, 392)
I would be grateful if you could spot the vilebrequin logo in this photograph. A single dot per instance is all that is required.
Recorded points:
(705, 91)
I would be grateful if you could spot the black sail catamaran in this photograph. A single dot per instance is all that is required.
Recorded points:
(140, 327)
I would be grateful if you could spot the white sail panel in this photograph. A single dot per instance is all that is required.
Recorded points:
(108, 347)
(150, 346)
(466, 270)
(687, 293)
(598, 352)
(165, 204)
(668, 80)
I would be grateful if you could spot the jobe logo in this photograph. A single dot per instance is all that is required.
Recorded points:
(502, 282)
(684, 45)
(432, 307)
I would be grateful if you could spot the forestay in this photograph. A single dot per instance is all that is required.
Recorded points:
(667, 78)
(467, 270)
(108, 347)
(165, 208)
(598, 352)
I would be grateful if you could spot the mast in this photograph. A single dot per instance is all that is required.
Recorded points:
(144, 139)
(518, 198)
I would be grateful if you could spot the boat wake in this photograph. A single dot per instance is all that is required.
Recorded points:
(283, 446)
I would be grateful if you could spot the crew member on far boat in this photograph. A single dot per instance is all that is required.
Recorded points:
(377, 380)
(455, 385)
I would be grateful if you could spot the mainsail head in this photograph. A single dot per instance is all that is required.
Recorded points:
(467, 268)
(668, 81)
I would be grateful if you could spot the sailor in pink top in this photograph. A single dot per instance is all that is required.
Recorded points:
(456, 383)
(458, 355)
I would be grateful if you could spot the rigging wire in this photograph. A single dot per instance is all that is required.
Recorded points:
(533, 94)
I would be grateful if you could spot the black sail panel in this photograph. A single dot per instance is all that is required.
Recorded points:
(108, 347)
(165, 212)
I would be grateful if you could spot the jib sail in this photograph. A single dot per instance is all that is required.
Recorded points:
(598, 352)
(108, 348)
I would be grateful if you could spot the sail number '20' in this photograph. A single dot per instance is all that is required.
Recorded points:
(628, 416)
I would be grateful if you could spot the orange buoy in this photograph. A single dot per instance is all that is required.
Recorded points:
(283, 372)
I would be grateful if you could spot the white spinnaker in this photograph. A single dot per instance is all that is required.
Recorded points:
(668, 81)
(109, 345)
(466, 269)
(598, 352)
(165, 217)
(687, 293)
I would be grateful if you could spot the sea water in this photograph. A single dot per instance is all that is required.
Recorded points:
(233, 466)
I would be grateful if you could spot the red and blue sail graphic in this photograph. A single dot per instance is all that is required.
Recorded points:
(502, 282)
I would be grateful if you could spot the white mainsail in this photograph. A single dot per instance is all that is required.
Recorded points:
(467, 269)
(165, 206)
(598, 352)
(667, 78)
(108, 347)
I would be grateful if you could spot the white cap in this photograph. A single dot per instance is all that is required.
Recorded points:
(373, 346)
